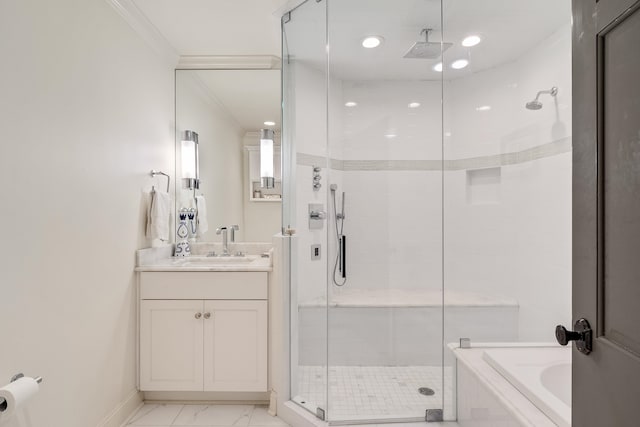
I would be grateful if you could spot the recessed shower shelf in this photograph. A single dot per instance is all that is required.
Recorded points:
(270, 195)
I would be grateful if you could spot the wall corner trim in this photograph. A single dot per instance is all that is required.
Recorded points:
(137, 20)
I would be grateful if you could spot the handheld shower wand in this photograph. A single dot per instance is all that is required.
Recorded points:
(340, 265)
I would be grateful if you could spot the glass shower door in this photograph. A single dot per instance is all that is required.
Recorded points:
(362, 144)
(304, 86)
(385, 149)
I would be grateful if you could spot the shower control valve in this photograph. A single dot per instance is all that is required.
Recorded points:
(316, 178)
(317, 215)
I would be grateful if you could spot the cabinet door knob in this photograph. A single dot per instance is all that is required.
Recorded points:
(198, 315)
(207, 315)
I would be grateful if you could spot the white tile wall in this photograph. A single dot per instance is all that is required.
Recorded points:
(517, 244)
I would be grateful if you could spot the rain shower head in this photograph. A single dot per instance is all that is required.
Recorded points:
(426, 49)
(535, 104)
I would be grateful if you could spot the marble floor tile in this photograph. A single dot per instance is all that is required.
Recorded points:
(214, 415)
(155, 415)
(261, 418)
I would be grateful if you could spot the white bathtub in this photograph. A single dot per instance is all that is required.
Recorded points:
(513, 384)
(542, 374)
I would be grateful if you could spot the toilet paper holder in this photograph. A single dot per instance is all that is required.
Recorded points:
(16, 377)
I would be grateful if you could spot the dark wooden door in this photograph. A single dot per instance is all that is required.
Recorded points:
(606, 210)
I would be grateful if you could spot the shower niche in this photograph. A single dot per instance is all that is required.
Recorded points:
(256, 192)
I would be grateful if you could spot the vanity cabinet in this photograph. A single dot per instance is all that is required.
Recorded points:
(203, 331)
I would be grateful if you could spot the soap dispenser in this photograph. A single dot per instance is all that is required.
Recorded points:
(183, 248)
(193, 228)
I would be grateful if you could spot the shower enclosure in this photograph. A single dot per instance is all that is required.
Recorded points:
(423, 199)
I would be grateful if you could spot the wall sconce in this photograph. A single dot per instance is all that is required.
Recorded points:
(266, 158)
(190, 166)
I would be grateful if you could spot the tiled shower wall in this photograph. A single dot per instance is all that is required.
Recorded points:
(510, 234)
(507, 182)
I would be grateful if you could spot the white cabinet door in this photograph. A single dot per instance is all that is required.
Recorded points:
(235, 345)
(171, 345)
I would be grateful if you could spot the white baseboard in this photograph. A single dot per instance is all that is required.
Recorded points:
(123, 411)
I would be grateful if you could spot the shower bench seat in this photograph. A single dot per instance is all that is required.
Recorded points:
(383, 327)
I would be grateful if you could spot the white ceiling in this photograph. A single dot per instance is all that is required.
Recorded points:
(250, 96)
(509, 28)
(217, 27)
(252, 27)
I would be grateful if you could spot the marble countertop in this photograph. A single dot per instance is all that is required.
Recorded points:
(258, 258)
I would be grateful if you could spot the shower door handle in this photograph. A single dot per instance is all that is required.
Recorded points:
(583, 336)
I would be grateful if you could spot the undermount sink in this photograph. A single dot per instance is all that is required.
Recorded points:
(221, 259)
(217, 260)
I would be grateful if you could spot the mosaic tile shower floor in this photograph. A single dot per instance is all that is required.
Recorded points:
(374, 392)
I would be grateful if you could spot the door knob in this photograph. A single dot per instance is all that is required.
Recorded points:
(207, 315)
(198, 315)
(582, 335)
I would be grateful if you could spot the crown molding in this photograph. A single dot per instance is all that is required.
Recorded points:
(229, 62)
(137, 20)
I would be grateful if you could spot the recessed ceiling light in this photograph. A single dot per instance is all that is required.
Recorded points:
(350, 104)
(483, 108)
(438, 67)
(471, 41)
(269, 123)
(459, 64)
(390, 135)
(372, 41)
(414, 104)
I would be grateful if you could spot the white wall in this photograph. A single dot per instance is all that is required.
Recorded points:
(519, 244)
(393, 217)
(220, 151)
(86, 112)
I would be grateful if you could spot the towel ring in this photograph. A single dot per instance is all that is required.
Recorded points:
(154, 172)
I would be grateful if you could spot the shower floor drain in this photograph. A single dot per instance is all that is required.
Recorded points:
(426, 391)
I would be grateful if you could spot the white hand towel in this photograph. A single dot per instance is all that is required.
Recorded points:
(158, 218)
(201, 206)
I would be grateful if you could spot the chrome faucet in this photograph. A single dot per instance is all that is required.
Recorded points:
(233, 229)
(225, 243)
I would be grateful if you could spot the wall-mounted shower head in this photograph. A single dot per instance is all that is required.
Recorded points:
(535, 104)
